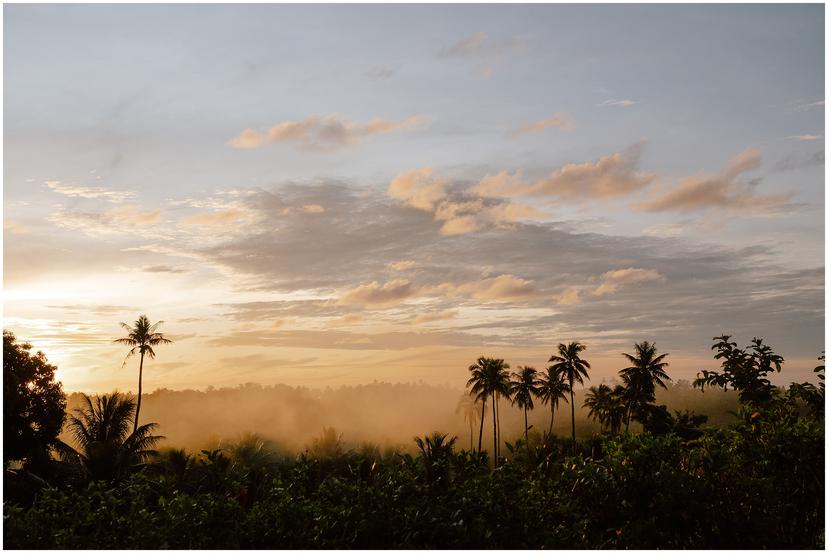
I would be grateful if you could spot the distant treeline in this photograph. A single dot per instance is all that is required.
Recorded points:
(382, 413)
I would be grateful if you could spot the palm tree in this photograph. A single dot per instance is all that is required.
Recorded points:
(490, 379)
(141, 338)
(523, 387)
(569, 362)
(436, 452)
(641, 378)
(106, 449)
(616, 408)
(598, 401)
(471, 414)
(552, 388)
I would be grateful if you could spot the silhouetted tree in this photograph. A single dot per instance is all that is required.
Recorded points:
(552, 387)
(524, 387)
(813, 396)
(490, 379)
(598, 400)
(141, 338)
(743, 370)
(569, 363)
(471, 412)
(436, 452)
(641, 378)
(106, 450)
(34, 404)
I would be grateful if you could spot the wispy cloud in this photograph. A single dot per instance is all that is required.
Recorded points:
(484, 51)
(89, 192)
(381, 72)
(607, 177)
(320, 133)
(618, 103)
(722, 191)
(806, 105)
(613, 281)
(117, 220)
(557, 121)
(805, 137)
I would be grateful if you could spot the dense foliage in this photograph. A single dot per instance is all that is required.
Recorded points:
(33, 403)
(756, 483)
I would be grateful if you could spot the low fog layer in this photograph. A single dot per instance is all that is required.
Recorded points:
(381, 413)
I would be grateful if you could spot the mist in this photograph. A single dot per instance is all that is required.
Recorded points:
(380, 413)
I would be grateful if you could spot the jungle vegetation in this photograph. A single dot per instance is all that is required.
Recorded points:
(643, 476)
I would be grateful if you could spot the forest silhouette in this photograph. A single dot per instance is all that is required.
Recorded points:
(643, 462)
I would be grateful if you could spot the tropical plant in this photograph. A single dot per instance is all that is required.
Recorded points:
(569, 363)
(141, 338)
(744, 370)
(490, 379)
(106, 449)
(598, 400)
(436, 452)
(552, 387)
(34, 404)
(523, 387)
(641, 378)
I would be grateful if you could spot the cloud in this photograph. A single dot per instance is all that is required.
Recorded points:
(793, 162)
(618, 103)
(484, 51)
(116, 220)
(459, 213)
(14, 227)
(805, 137)
(403, 265)
(419, 188)
(503, 287)
(376, 295)
(94, 192)
(313, 208)
(805, 105)
(570, 296)
(319, 133)
(721, 191)
(162, 269)
(557, 121)
(215, 218)
(607, 177)
(472, 45)
(436, 316)
(613, 281)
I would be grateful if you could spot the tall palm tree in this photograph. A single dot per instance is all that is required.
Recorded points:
(477, 389)
(490, 379)
(471, 412)
(523, 387)
(141, 338)
(106, 448)
(552, 388)
(641, 378)
(569, 362)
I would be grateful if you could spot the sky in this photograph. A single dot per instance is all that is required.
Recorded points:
(321, 195)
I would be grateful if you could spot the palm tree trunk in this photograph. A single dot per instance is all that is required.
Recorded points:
(629, 413)
(552, 417)
(572, 404)
(499, 428)
(471, 434)
(525, 425)
(138, 405)
(482, 416)
(494, 428)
